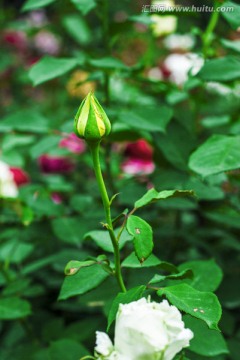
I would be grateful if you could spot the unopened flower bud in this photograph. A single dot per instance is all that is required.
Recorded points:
(91, 122)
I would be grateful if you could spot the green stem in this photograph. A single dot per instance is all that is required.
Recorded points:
(207, 36)
(105, 29)
(105, 23)
(94, 147)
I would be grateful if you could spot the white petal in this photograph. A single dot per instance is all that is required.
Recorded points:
(104, 344)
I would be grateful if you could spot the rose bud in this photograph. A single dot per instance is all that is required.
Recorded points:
(91, 122)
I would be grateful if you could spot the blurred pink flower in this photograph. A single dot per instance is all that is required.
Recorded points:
(138, 166)
(73, 144)
(37, 18)
(139, 158)
(20, 177)
(55, 164)
(56, 198)
(47, 43)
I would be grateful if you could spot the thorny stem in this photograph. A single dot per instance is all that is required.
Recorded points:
(94, 147)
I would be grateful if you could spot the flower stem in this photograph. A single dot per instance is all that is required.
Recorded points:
(208, 34)
(94, 147)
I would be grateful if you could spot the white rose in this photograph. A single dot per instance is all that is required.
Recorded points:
(8, 187)
(147, 331)
(180, 65)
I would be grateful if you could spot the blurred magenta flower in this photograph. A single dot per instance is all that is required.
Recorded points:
(139, 158)
(73, 144)
(20, 177)
(55, 164)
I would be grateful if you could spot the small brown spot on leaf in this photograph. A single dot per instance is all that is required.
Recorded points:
(72, 271)
(137, 230)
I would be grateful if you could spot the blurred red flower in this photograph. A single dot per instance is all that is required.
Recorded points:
(20, 177)
(55, 164)
(139, 158)
(17, 39)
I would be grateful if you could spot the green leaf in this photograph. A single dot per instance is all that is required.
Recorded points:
(15, 251)
(153, 195)
(77, 28)
(103, 240)
(71, 349)
(175, 96)
(185, 274)
(221, 69)
(142, 18)
(124, 298)
(108, 63)
(132, 262)
(49, 68)
(74, 266)
(233, 16)
(215, 121)
(35, 4)
(234, 346)
(16, 287)
(147, 118)
(27, 215)
(13, 158)
(143, 237)
(203, 190)
(12, 308)
(219, 153)
(207, 274)
(25, 120)
(202, 305)
(60, 257)
(205, 342)
(83, 281)
(44, 145)
(224, 216)
(85, 6)
(12, 141)
(232, 45)
(70, 230)
(176, 145)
